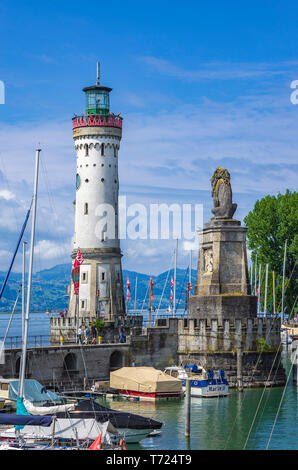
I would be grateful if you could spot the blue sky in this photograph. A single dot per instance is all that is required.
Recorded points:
(198, 84)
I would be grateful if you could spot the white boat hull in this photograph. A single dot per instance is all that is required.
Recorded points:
(209, 391)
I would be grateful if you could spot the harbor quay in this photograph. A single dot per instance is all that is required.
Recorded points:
(170, 341)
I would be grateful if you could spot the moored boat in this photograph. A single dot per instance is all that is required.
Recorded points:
(203, 383)
(145, 383)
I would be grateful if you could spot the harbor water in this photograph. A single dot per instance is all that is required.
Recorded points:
(256, 419)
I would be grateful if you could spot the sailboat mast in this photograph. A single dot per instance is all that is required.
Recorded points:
(23, 287)
(30, 270)
(283, 282)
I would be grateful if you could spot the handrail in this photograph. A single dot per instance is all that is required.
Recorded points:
(97, 120)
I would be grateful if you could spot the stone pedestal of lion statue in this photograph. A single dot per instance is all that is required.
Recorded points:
(222, 324)
(222, 287)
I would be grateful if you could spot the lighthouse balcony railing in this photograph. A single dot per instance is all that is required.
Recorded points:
(97, 120)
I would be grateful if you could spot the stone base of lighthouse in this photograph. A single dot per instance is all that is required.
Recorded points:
(101, 286)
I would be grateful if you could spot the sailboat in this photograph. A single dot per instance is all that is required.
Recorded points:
(72, 423)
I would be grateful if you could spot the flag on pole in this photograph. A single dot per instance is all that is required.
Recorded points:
(257, 292)
(171, 294)
(151, 288)
(75, 274)
(127, 289)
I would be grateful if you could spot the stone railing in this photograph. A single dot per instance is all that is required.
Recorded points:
(214, 336)
(97, 120)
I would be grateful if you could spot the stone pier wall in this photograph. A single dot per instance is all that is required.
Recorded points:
(212, 335)
(67, 367)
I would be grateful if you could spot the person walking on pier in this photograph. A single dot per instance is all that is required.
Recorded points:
(86, 335)
(79, 336)
(121, 334)
(94, 334)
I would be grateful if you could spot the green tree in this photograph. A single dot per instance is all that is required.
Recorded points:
(273, 220)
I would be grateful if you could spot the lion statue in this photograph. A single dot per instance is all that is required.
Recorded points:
(222, 194)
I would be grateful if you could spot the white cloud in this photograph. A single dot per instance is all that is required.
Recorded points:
(6, 194)
(218, 70)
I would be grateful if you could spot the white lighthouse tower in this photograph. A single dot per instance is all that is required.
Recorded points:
(97, 135)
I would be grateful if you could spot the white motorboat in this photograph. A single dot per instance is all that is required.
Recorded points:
(203, 383)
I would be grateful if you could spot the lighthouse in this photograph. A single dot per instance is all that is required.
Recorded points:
(97, 135)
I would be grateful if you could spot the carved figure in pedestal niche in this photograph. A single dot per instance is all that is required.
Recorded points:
(208, 261)
(222, 194)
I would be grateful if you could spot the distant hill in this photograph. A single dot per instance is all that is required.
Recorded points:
(49, 289)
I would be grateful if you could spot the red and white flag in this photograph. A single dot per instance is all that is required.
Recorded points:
(75, 274)
(127, 289)
(79, 259)
(151, 288)
(172, 284)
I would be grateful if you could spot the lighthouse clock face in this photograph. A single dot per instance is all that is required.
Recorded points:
(78, 181)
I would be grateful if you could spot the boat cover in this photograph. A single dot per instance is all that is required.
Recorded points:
(72, 429)
(24, 420)
(119, 419)
(34, 392)
(145, 380)
(47, 410)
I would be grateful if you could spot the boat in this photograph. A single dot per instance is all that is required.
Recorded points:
(131, 427)
(50, 433)
(203, 383)
(34, 391)
(289, 333)
(145, 383)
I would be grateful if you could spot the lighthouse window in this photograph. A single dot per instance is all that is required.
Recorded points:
(86, 150)
(102, 149)
(86, 208)
(86, 181)
(102, 180)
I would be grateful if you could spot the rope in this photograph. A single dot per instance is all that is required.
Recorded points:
(281, 400)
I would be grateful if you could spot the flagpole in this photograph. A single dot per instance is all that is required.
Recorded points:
(273, 289)
(266, 288)
(283, 283)
(111, 297)
(259, 290)
(190, 285)
(175, 276)
(256, 274)
(136, 286)
(150, 291)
